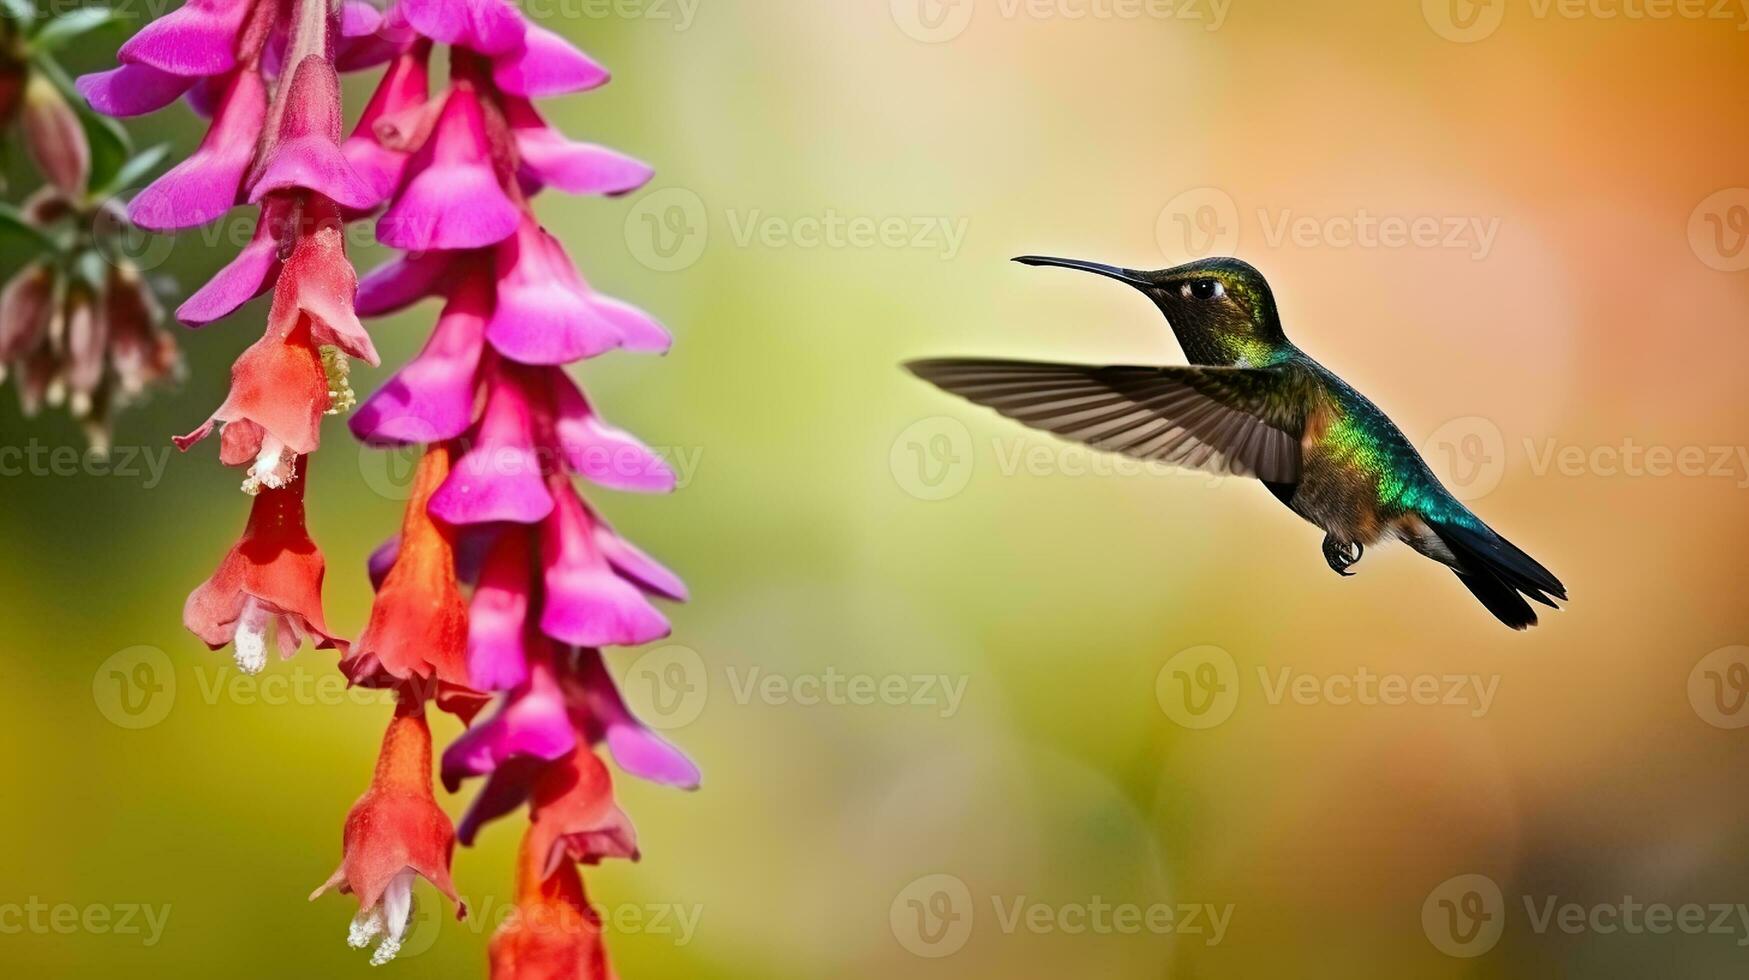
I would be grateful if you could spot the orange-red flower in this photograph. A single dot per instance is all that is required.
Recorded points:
(555, 933)
(418, 629)
(575, 818)
(395, 832)
(270, 583)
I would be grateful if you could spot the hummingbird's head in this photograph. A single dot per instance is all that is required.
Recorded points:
(1220, 308)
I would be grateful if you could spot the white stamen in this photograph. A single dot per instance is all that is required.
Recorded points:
(249, 644)
(366, 925)
(274, 467)
(387, 918)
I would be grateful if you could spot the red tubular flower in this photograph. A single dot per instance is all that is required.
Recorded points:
(555, 933)
(394, 833)
(271, 582)
(419, 624)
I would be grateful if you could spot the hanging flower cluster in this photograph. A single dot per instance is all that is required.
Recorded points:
(494, 506)
(504, 584)
(262, 70)
(79, 324)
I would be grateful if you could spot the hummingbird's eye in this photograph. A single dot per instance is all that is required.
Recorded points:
(1203, 289)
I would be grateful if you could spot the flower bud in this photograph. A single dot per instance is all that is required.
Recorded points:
(25, 305)
(87, 341)
(133, 313)
(53, 136)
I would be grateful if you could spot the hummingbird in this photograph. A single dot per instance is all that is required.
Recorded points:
(1252, 404)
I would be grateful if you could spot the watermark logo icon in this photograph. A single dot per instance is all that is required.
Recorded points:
(672, 685)
(388, 470)
(1198, 223)
(668, 229)
(1464, 21)
(1464, 916)
(1718, 230)
(1469, 453)
(932, 21)
(1718, 688)
(933, 458)
(135, 688)
(1198, 688)
(932, 916)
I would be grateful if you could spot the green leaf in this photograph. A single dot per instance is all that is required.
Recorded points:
(16, 232)
(19, 11)
(134, 171)
(70, 25)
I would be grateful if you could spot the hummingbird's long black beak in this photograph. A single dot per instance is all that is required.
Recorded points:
(1130, 276)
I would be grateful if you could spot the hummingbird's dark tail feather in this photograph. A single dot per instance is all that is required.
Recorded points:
(1499, 574)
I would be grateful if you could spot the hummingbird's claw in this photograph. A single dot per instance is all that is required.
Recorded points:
(1342, 554)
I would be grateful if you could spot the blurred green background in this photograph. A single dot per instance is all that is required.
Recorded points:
(848, 529)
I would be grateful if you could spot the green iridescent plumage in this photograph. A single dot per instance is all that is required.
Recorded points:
(1253, 404)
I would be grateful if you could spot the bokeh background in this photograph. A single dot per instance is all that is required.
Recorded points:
(1570, 358)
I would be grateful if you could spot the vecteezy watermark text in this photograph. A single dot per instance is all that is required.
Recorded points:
(940, 21)
(934, 916)
(1465, 916)
(34, 459)
(1200, 688)
(38, 917)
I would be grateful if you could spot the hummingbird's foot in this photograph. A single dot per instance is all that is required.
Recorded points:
(1342, 554)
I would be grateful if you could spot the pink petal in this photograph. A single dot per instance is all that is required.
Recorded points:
(500, 477)
(488, 26)
(199, 38)
(205, 186)
(638, 330)
(306, 151)
(398, 284)
(598, 452)
(368, 37)
(405, 85)
(638, 750)
(432, 398)
(545, 313)
(454, 198)
(532, 724)
(248, 275)
(632, 563)
(498, 616)
(546, 64)
(587, 604)
(548, 158)
(205, 96)
(132, 90)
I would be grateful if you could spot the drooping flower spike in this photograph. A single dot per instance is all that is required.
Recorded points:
(553, 584)
(504, 582)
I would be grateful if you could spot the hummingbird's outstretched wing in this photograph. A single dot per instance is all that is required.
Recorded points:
(1219, 419)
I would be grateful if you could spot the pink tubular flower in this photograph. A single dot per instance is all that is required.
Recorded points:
(554, 583)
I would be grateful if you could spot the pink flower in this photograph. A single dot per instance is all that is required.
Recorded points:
(451, 196)
(207, 184)
(377, 149)
(501, 478)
